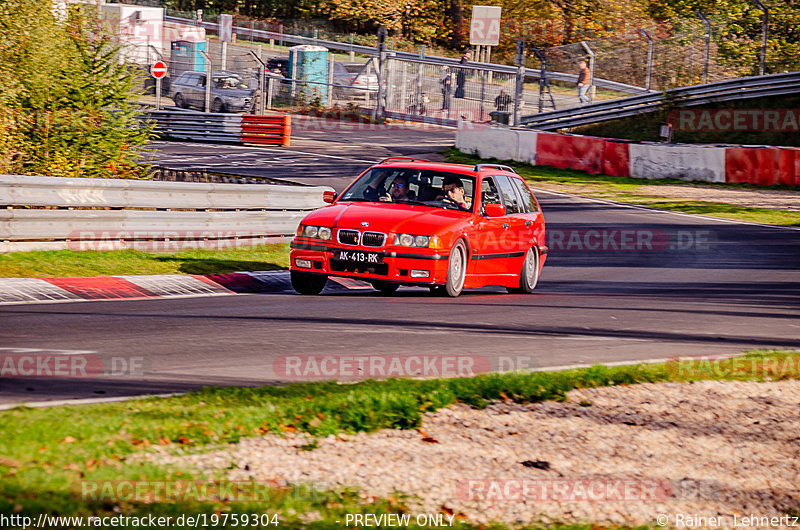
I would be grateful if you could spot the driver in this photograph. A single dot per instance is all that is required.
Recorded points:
(453, 192)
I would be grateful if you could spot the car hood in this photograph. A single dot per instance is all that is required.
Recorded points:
(386, 217)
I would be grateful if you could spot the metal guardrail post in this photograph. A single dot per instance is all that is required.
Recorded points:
(762, 63)
(707, 51)
(589, 51)
(649, 77)
(208, 80)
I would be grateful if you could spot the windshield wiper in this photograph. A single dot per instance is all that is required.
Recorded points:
(356, 199)
(411, 201)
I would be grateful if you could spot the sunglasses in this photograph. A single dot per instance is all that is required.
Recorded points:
(398, 185)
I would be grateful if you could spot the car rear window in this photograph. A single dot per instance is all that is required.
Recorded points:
(353, 68)
(528, 202)
(509, 195)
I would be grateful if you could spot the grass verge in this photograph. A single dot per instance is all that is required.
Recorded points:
(632, 191)
(55, 263)
(49, 456)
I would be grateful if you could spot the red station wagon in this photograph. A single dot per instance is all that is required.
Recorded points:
(412, 222)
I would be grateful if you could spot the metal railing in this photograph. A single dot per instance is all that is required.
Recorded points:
(63, 212)
(734, 89)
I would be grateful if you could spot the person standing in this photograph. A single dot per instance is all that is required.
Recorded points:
(461, 76)
(502, 102)
(446, 83)
(584, 83)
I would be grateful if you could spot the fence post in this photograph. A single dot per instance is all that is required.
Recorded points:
(223, 56)
(331, 61)
(381, 50)
(649, 77)
(483, 92)
(520, 78)
(762, 63)
(208, 80)
(591, 69)
(707, 52)
(261, 75)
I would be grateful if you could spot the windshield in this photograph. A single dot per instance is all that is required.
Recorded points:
(437, 189)
(228, 81)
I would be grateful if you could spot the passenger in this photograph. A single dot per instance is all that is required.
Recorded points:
(399, 191)
(453, 192)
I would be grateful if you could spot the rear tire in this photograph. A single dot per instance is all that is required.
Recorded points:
(386, 288)
(529, 275)
(456, 269)
(305, 283)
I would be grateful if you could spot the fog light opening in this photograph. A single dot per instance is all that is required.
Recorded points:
(303, 263)
(420, 274)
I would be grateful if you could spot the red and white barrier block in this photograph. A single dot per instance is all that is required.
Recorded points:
(755, 165)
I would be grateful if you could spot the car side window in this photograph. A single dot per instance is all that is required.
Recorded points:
(528, 201)
(489, 193)
(509, 195)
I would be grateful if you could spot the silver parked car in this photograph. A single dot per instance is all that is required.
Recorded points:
(228, 92)
(360, 76)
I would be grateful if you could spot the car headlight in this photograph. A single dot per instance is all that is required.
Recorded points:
(315, 232)
(410, 240)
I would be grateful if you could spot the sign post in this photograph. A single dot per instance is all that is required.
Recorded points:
(484, 31)
(158, 71)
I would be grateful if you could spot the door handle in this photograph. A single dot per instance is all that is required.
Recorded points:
(527, 223)
(505, 225)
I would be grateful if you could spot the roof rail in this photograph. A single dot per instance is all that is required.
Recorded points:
(478, 167)
(403, 158)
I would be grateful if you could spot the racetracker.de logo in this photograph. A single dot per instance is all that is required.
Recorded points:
(30, 362)
(305, 367)
(564, 490)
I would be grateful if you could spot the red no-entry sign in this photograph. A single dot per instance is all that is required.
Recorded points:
(158, 70)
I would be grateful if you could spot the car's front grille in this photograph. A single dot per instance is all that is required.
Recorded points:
(348, 237)
(373, 239)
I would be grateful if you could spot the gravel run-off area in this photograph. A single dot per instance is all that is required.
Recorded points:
(613, 455)
(746, 198)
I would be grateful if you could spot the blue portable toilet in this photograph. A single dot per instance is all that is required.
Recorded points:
(310, 63)
(186, 57)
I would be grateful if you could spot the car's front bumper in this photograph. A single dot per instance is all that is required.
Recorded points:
(398, 263)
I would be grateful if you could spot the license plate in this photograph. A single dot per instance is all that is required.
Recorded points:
(359, 256)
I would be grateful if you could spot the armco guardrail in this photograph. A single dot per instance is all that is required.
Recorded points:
(245, 33)
(214, 127)
(743, 88)
(84, 212)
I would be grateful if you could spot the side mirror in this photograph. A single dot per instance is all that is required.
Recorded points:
(328, 196)
(494, 210)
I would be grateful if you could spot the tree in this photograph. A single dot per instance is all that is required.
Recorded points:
(68, 104)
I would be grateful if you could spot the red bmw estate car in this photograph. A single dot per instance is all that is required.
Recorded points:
(413, 222)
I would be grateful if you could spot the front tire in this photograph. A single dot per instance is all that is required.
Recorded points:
(456, 269)
(305, 283)
(529, 275)
(217, 106)
(180, 102)
(386, 288)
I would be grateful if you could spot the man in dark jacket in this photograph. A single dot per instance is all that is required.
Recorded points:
(461, 76)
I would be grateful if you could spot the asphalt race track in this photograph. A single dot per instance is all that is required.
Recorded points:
(620, 284)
